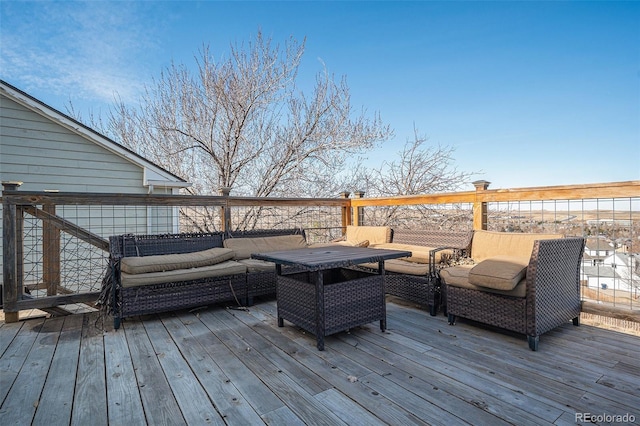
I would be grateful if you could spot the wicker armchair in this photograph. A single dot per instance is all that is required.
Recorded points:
(547, 297)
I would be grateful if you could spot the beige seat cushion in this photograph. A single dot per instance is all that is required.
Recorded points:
(419, 254)
(229, 267)
(458, 276)
(256, 265)
(353, 243)
(400, 266)
(170, 262)
(364, 243)
(486, 244)
(244, 247)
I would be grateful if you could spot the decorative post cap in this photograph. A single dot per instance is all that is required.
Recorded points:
(345, 194)
(224, 191)
(481, 185)
(11, 185)
(358, 193)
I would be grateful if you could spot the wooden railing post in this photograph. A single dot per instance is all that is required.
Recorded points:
(359, 216)
(20, 211)
(50, 252)
(346, 212)
(225, 211)
(10, 291)
(479, 206)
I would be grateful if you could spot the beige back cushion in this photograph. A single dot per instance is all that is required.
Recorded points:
(243, 247)
(373, 234)
(486, 244)
(171, 262)
(419, 254)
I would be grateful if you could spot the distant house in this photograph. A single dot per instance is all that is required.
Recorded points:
(625, 264)
(48, 150)
(596, 250)
(627, 267)
(619, 272)
(602, 277)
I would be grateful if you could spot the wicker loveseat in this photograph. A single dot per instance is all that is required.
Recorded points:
(526, 283)
(163, 272)
(416, 278)
(141, 284)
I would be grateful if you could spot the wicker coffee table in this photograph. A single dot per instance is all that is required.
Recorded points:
(324, 295)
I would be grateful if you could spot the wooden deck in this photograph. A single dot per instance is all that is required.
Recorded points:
(221, 366)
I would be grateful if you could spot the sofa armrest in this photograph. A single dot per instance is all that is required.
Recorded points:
(432, 260)
(458, 253)
(553, 283)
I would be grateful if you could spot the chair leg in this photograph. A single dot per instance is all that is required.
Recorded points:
(576, 321)
(452, 319)
(433, 310)
(533, 342)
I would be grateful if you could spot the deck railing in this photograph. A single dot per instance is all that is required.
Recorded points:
(55, 245)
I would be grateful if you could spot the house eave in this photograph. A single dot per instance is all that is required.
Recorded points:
(167, 184)
(151, 171)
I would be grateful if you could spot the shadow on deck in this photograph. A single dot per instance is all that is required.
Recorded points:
(223, 366)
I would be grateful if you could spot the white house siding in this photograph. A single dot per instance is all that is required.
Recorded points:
(604, 277)
(46, 155)
(624, 264)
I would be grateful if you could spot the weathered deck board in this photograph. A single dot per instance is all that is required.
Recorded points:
(124, 400)
(225, 396)
(21, 404)
(192, 399)
(14, 354)
(56, 402)
(335, 368)
(90, 398)
(158, 401)
(417, 370)
(220, 366)
(284, 384)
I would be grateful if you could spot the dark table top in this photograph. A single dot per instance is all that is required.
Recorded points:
(337, 256)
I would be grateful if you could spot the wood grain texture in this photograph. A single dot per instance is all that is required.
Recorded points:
(240, 368)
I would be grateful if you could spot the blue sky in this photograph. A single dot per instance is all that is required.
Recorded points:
(528, 93)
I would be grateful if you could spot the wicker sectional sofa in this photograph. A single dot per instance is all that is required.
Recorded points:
(526, 283)
(163, 272)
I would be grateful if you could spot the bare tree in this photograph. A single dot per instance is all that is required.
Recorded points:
(242, 122)
(420, 168)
